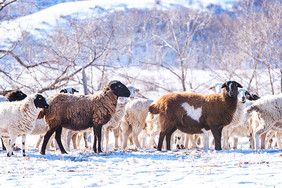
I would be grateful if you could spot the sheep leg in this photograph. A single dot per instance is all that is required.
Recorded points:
(73, 139)
(206, 140)
(69, 137)
(106, 132)
(225, 135)
(161, 139)
(39, 141)
(11, 144)
(269, 136)
(58, 139)
(125, 135)
(85, 137)
(46, 139)
(278, 138)
(167, 133)
(235, 142)
(116, 135)
(168, 137)
(217, 131)
(78, 139)
(97, 136)
(262, 139)
(23, 144)
(189, 137)
(3, 146)
(135, 139)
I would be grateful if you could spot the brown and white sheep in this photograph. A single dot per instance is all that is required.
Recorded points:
(193, 113)
(87, 111)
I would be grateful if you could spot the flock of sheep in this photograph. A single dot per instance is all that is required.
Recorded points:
(229, 111)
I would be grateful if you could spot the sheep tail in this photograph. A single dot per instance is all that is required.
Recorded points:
(154, 109)
(41, 114)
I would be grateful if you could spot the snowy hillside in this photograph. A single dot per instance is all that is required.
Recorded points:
(42, 22)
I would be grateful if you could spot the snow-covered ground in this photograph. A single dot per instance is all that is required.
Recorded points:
(144, 168)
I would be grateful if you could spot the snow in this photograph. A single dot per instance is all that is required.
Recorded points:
(42, 22)
(143, 168)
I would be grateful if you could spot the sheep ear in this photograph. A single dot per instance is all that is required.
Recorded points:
(74, 90)
(212, 87)
(63, 91)
(224, 85)
(113, 83)
(239, 85)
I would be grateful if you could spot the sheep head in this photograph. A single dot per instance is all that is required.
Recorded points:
(69, 90)
(16, 95)
(40, 101)
(231, 88)
(118, 88)
(252, 97)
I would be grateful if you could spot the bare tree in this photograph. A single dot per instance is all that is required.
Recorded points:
(258, 36)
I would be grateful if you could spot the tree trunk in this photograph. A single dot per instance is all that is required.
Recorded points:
(84, 81)
(281, 80)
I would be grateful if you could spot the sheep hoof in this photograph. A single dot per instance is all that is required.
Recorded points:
(8, 155)
(42, 152)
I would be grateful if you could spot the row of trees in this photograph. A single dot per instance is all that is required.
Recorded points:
(242, 45)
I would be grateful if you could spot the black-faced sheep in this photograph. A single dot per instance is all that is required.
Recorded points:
(192, 112)
(87, 111)
(70, 90)
(238, 127)
(15, 95)
(18, 119)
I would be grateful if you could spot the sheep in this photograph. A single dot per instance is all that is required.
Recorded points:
(87, 111)
(265, 114)
(18, 119)
(153, 125)
(14, 95)
(3, 99)
(238, 127)
(133, 121)
(195, 113)
(114, 123)
(69, 90)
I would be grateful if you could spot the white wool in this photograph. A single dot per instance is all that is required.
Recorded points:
(133, 121)
(266, 115)
(17, 119)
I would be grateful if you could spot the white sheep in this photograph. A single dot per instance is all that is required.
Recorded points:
(18, 119)
(115, 122)
(265, 113)
(133, 122)
(238, 127)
